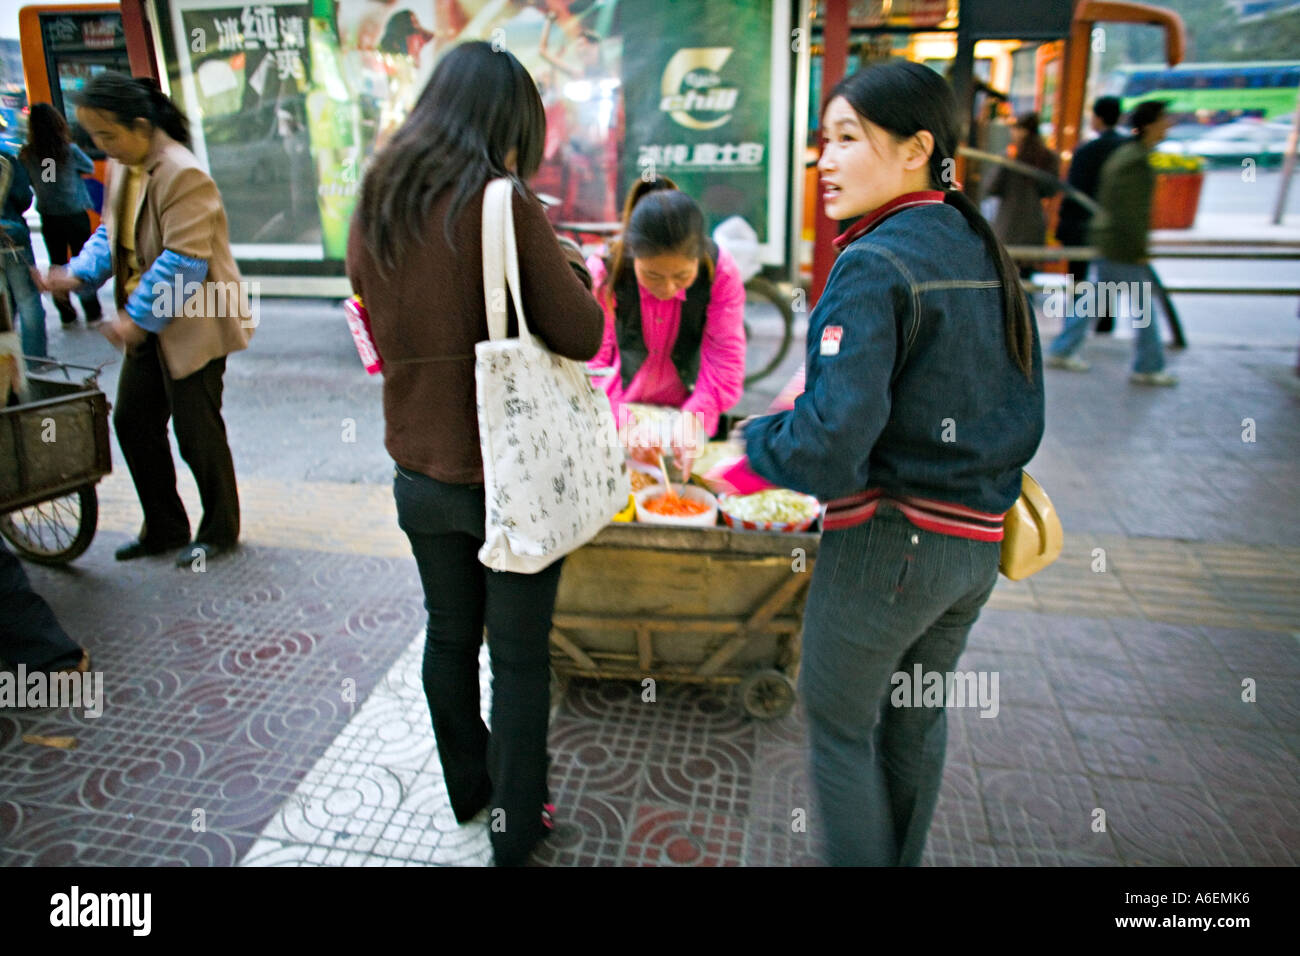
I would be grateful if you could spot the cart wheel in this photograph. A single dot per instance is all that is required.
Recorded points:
(56, 531)
(767, 694)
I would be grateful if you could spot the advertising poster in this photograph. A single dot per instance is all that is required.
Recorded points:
(288, 100)
(699, 103)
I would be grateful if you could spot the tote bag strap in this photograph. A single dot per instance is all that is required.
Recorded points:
(500, 259)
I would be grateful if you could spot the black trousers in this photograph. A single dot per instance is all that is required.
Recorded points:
(506, 769)
(30, 634)
(64, 236)
(147, 397)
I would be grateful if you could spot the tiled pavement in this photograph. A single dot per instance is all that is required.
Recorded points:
(278, 694)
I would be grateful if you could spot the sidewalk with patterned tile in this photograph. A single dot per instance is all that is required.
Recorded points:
(269, 711)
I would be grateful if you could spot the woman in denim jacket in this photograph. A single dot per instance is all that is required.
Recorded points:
(924, 400)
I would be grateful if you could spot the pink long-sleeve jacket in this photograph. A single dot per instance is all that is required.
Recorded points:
(722, 351)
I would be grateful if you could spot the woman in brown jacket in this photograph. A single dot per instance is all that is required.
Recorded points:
(181, 309)
(415, 259)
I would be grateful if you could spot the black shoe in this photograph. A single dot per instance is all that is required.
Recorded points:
(140, 549)
(192, 551)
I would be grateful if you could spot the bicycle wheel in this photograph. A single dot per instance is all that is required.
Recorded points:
(766, 346)
(56, 531)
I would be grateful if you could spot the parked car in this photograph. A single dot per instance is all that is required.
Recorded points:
(1229, 144)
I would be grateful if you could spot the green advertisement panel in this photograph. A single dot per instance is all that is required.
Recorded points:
(288, 100)
(699, 103)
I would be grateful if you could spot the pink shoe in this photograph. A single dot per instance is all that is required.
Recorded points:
(548, 816)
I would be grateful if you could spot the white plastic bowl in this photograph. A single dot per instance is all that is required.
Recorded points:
(705, 519)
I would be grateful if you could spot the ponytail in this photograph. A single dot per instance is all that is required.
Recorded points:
(166, 116)
(1017, 319)
(130, 98)
(670, 222)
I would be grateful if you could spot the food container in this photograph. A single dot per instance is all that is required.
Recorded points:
(749, 512)
(704, 519)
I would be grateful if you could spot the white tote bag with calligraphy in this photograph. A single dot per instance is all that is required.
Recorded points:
(553, 467)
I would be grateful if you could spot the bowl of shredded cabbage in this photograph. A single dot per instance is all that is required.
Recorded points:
(776, 509)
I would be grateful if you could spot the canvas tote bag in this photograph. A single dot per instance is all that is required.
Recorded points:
(554, 472)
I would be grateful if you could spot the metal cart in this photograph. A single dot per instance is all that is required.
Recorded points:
(704, 605)
(53, 449)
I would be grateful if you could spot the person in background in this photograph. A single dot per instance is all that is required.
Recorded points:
(415, 259)
(1085, 174)
(55, 166)
(1120, 234)
(17, 255)
(674, 310)
(923, 325)
(1020, 220)
(164, 228)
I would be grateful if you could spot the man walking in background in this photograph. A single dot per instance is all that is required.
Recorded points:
(1120, 234)
(1085, 175)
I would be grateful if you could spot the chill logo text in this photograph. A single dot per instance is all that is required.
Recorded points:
(691, 85)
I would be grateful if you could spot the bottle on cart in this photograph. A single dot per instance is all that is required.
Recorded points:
(334, 123)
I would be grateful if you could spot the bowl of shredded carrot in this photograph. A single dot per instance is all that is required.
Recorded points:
(685, 506)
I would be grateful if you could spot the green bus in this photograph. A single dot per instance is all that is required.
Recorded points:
(1213, 92)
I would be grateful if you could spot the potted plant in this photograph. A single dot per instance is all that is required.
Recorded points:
(1178, 190)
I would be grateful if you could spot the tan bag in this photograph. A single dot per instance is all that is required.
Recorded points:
(1032, 534)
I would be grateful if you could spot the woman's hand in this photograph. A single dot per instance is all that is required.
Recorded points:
(58, 279)
(737, 434)
(678, 433)
(122, 332)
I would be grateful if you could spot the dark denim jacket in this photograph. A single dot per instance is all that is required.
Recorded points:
(921, 397)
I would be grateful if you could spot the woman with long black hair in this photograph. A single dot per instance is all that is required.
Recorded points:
(674, 308)
(55, 166)
(415, 259)
(923, 401)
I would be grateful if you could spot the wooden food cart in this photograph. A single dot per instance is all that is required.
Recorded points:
(702, 605)
(53, 449)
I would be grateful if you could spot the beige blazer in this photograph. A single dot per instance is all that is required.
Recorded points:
(180, 209)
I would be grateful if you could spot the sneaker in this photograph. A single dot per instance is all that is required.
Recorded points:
(1067, 362)
(1153, 378)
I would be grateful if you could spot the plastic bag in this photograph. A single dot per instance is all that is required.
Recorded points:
(741, 241)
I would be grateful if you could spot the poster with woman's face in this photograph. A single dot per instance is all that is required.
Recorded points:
(570, 47)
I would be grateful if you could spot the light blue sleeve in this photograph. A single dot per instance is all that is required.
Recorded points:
(81, 163)
(161, 294)
(94, 263)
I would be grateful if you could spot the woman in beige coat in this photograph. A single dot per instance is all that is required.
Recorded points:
(181, 309)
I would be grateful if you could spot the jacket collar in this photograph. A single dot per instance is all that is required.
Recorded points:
(157, 146)
(925, 197)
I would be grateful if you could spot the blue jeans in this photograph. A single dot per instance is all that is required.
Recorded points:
(25, 299)
(1149, 352)
(885, 596)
